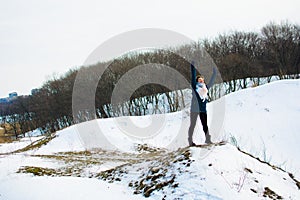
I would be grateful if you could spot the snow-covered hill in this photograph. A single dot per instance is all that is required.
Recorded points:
(262, 122)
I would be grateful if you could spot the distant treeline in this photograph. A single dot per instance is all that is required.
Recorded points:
(275, 51)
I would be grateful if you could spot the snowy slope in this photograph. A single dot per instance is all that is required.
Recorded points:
(264, 121)
(261, 121)
(11, 147)
(220, 172)
(224, 173)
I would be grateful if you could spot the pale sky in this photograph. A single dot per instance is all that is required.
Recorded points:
(39, 38)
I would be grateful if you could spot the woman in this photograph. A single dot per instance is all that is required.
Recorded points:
(198, 105)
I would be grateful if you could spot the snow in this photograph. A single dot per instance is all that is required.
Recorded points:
(34, 133)
(11, 147)
(262, 121)
(227, 166)
(265, 122)
(65, 140)
(49, 188)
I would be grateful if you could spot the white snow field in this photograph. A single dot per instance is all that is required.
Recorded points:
(263, 122)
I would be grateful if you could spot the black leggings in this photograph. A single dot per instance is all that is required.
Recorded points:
(193, 119)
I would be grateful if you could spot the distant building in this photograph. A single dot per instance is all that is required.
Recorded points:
(3, 100)
(11, 96)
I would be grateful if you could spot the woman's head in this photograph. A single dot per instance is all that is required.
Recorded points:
(200, 79)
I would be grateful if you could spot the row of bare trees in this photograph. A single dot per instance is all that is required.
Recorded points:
(240, 57)
(274, 51)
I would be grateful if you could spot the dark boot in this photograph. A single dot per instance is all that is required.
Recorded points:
(207, 139)
(192, 144)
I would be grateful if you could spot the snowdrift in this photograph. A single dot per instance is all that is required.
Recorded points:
(264, 121)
